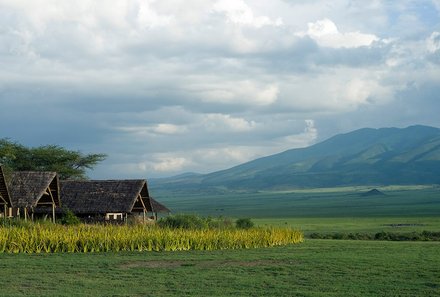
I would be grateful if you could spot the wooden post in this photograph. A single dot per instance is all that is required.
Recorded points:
(25, 214)
(53, 213)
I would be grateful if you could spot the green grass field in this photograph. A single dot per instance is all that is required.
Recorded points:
(354, 225)
(347, 202)
(314, 268)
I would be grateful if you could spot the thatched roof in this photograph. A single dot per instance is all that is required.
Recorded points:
(158, 207)
(105, 196)
(4, 193)
(29, 188)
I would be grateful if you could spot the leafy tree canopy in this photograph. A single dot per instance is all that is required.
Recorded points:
(69, 164)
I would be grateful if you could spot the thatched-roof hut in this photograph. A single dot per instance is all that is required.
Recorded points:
(110, 199)
(5, 200)
(34, 191)
(158, 207)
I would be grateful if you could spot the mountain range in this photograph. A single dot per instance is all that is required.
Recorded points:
(363, 157)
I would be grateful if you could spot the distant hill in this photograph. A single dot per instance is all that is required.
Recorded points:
(362, 157)
(373, 192)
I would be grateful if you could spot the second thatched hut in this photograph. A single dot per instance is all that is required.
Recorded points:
(110, 200)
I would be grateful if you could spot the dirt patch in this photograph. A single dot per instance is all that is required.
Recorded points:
(202, 264)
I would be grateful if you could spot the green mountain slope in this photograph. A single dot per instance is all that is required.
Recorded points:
(362, 157)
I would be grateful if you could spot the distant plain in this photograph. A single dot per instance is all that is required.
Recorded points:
(346, 202)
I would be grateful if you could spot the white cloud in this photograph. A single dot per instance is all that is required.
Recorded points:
(238, 12)
(169, 164)
(304, 139)
(338, 90)
(204, 85)
(326, 34)
(237, 92)
(149, 18)
(433, 42)
(220, 122)
(162, 163)
(157, 129)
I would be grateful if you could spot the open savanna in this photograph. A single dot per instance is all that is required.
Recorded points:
(313, 268)
(368, 225)
(402, 209)
(346, 202)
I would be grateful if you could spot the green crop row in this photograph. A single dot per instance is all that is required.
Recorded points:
(100, 238)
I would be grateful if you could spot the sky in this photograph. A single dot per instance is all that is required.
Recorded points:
(167, 87)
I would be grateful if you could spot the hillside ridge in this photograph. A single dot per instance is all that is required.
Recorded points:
(366, 156)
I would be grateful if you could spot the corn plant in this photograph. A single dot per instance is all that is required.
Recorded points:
(38, 238)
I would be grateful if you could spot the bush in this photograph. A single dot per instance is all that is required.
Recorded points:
(219, 223)
(15, 222)
(245, 223)
(183, 221)
(190, 221)
(69, 218)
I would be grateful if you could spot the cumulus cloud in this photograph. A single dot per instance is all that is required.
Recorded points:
(166, 87)
(236, 92)
(238, 12)
(219, 122)
(208, 155)
(326, 34)
(433, 42)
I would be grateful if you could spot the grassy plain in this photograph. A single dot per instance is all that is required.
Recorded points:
(347, 202)
(355, 225)
(314, 268)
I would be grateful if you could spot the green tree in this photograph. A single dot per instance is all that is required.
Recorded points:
(69, 164)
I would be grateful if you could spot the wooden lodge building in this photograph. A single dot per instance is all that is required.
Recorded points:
(33, 193)
(5, 201)
(110, 200)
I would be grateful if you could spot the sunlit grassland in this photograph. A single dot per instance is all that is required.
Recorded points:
(313, 268)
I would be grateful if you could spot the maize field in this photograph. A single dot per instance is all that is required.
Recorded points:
(104, 238)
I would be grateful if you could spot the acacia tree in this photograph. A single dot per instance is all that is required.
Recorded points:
(69, 164)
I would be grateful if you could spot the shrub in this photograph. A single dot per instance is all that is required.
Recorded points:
(219, 223)
(245, 223)
(14, 222)
(69, 218)
(183, 221)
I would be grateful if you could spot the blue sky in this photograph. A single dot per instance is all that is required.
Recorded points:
(165, 87)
